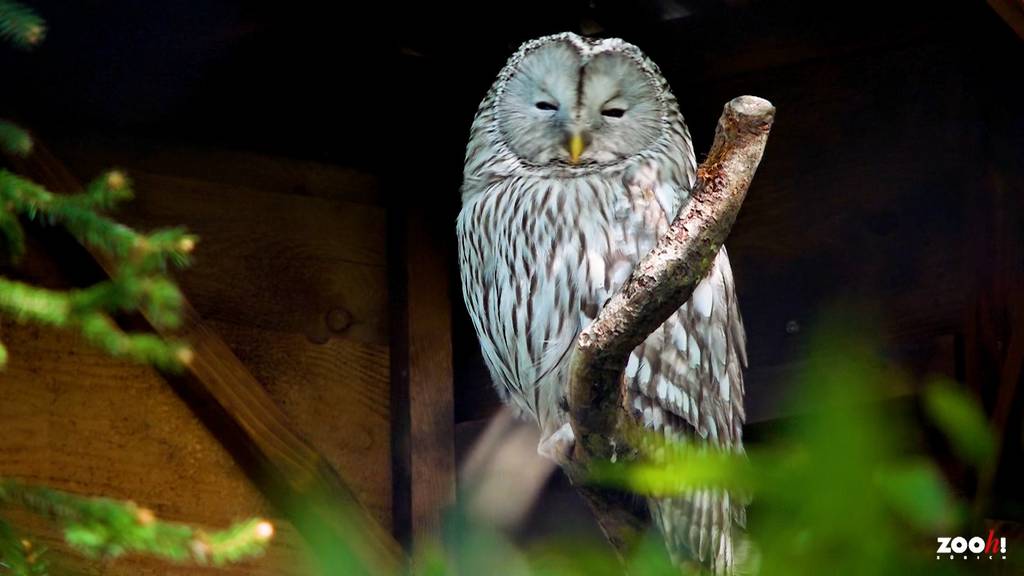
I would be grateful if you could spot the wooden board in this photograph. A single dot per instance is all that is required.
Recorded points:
(346, 419)
(77, 420)
(273, 273)
(272, 261)
(432, 423)
(232, 168)
(423, 433)
(232, 402)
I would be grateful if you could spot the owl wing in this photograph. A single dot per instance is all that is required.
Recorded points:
(686, 380)
(523, 293)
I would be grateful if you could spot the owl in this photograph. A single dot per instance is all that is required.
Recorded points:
(577, 162)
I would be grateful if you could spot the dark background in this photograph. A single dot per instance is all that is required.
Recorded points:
(892, 178)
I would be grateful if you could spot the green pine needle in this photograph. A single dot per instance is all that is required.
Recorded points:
(107, 191)
(20, 25)
(138, 284)
(144, 348)
(26, 303)
(20, 556)
(79, 214)
(12, 237)
(102, 527)
(99, 527)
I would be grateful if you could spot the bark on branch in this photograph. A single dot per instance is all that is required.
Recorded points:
(661, 283)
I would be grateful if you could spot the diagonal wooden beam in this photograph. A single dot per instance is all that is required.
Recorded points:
(1012, 12)
(291, 473)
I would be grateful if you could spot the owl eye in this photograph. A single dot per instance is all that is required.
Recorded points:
(547, 106)
(613, 112)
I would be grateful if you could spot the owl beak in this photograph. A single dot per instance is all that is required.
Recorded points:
(575, 148)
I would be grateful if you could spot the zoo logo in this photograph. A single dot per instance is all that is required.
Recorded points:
(977, 546)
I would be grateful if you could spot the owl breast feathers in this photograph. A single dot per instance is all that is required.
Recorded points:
(578, 161)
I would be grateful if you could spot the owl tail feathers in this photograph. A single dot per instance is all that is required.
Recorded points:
(706, 526)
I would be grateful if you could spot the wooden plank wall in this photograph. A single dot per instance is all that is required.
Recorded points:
(77, 420)
(291, 273)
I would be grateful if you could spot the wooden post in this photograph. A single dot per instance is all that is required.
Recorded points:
(423, 420)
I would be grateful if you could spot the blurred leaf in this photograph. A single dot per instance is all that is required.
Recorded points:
(917, 492)
(668, 468)
(818, 503)
(476, 548)
(567, 557)
(430, 560)
(651, 558)
(961, 418)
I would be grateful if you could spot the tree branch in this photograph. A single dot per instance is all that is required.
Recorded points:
(661, 283)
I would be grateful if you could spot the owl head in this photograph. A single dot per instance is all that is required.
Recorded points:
(569, 100)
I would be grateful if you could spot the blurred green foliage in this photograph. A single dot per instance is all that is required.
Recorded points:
(845, 488)
(959, 415)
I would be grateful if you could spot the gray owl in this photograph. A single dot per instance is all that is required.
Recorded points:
(578, 160)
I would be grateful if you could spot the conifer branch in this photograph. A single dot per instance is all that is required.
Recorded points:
(101, 527)
(138, 284)
(82, 215)
(20, 25)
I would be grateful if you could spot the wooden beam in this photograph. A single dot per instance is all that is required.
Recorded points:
(1012, 12)
(423, 433)
(294, 474)
(431, 405)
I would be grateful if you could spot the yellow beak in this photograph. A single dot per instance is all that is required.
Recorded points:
(575, 148)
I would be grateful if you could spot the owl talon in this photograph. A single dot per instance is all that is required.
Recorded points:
(558, 445)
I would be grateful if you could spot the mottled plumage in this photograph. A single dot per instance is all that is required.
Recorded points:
(577, 162)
